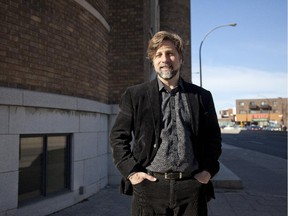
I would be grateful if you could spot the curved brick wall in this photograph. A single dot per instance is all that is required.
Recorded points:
(54, 46)
(61, 47)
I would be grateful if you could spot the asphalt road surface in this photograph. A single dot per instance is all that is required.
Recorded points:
(269, 142)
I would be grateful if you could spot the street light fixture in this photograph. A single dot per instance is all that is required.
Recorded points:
(200, 62)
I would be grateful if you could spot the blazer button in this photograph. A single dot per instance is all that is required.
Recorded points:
(154, 145)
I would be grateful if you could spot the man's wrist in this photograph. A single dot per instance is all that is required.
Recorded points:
(131, 174)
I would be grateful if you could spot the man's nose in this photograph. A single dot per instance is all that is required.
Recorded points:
(165, 58)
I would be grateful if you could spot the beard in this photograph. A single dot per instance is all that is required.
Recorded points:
(167, 75)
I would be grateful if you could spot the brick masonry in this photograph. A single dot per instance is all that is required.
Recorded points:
(53, 46)
(177, 18)
(59, 47)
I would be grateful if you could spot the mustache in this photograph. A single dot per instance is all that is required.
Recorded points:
(165, 65)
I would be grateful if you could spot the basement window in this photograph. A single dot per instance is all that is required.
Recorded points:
(44, 165)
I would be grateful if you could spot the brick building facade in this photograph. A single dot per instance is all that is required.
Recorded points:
(63, 66)
(54, 46)
(60, 47)
(264, 112)
(134, 24)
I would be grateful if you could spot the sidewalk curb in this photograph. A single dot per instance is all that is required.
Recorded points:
(226, 179)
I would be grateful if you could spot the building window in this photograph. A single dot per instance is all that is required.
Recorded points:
(253, 111)
(242, 112)
(263, 103)
(44, 165)
(241, 103)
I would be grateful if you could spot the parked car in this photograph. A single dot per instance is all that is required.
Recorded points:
(228, 127)
(253, 127)
(270, 128)
(276, 129)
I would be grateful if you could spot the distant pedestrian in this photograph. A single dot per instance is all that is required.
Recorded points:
(175, 136)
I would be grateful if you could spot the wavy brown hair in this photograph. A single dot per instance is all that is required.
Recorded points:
(157, 40)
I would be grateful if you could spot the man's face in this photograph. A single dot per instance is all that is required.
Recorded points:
(167, 61)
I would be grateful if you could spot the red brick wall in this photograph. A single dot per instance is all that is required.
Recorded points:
(59, 47)
(54, 46)
(126, 46)
(101, 6)
(130, 31)
(175, 17)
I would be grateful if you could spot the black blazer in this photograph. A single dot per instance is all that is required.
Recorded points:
(139, 121)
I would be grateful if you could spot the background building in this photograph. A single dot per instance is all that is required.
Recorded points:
(227, 117)
(263, 112)
(63, 66)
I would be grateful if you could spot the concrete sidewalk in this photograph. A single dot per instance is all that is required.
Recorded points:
(232, 197)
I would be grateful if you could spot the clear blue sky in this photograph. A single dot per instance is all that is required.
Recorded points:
(243, 62)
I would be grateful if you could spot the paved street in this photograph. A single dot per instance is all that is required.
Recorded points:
(268, 142)
(264, 178)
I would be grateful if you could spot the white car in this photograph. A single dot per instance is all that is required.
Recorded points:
(228, 127)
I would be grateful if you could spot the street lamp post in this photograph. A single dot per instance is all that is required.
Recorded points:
(200, 48)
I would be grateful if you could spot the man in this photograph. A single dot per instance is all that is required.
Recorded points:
(176, 138)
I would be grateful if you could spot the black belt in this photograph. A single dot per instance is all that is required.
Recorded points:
(171, 175)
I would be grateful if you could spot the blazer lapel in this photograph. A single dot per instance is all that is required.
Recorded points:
(193, 105)
(153, 96)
